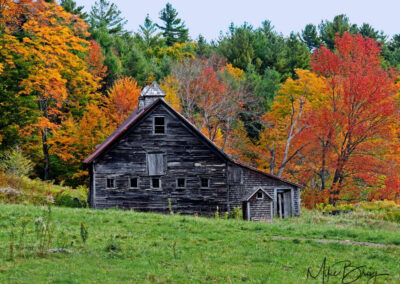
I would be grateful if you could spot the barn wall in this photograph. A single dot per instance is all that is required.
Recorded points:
(185, 155)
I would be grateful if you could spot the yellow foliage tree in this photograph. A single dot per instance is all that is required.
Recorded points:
(170, 85)
(286, 124)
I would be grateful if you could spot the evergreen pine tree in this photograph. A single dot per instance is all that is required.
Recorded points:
(340, 24)
(148, 32)
(174, 30)
(71, 7)
(106, 16)
(310, 37)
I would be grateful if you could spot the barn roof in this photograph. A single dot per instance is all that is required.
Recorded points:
(135, 117)
(249, 196)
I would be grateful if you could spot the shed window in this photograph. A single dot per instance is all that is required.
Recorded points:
(134, 182)
(205, 182)
(260, 195)
(155, 183)
(155, 164)
(180, 183)
(110, 183)
(159, 125)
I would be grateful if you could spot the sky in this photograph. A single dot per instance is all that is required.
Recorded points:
(210, 17)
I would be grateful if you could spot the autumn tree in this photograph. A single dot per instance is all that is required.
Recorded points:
(95, 60)
(121, 100)
(76, 138)
(361, 103)
(15, 111)
(58, 76)
(287, 129)
(212, 95)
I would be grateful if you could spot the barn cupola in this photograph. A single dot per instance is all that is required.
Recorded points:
(150, 94)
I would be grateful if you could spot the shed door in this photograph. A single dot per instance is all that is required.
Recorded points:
(287, 201)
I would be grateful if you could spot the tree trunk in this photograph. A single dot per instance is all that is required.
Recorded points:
(272, 160)
(323, 164)
(336, 185)
(46, 155)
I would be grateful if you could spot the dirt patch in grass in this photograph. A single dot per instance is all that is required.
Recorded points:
(345, 242)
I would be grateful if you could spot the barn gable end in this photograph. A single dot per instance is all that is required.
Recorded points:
(179, 153)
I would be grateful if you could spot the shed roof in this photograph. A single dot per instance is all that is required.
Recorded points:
(135, 117)
(251, 194)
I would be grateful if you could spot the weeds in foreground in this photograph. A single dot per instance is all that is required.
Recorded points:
(170, 206)
(25, 240)
(84, 233)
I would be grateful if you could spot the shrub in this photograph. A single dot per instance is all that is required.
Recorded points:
(378, 205)
(237, 213)
(393, 216)
(346, 207)
(76, 198)
(15, 163)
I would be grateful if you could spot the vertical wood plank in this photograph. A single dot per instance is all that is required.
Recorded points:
(292, 209)
(93, 201)
(248, 210)
(280, 206)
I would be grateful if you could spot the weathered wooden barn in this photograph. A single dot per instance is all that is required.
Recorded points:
(157, 157)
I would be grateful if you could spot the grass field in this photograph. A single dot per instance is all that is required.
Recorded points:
(132, 247)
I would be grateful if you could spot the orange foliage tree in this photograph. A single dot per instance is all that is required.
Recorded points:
(58, 76)
(95, 60)
(121, 100)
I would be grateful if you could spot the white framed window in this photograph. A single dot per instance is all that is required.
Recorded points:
(134, 182)
(110, 183)
(205, 182)
(180, 183)
(156, 183)
(159, 125)
(260, 195)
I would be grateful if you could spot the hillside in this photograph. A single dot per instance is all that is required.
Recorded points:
(23, 190)
(127, 246)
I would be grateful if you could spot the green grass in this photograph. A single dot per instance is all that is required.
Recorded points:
(132, 247)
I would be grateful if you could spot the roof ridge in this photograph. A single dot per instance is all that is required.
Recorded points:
(136, 114)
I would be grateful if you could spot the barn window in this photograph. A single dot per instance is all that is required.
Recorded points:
(155, 183)
(180, 183)
(134, 182)
(159, 125)
(110, 183)
(260, 195)
(205, 182)
(236, 175)
(155, 164)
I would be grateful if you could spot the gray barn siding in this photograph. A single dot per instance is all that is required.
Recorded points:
(185, 155)
(260, 210)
